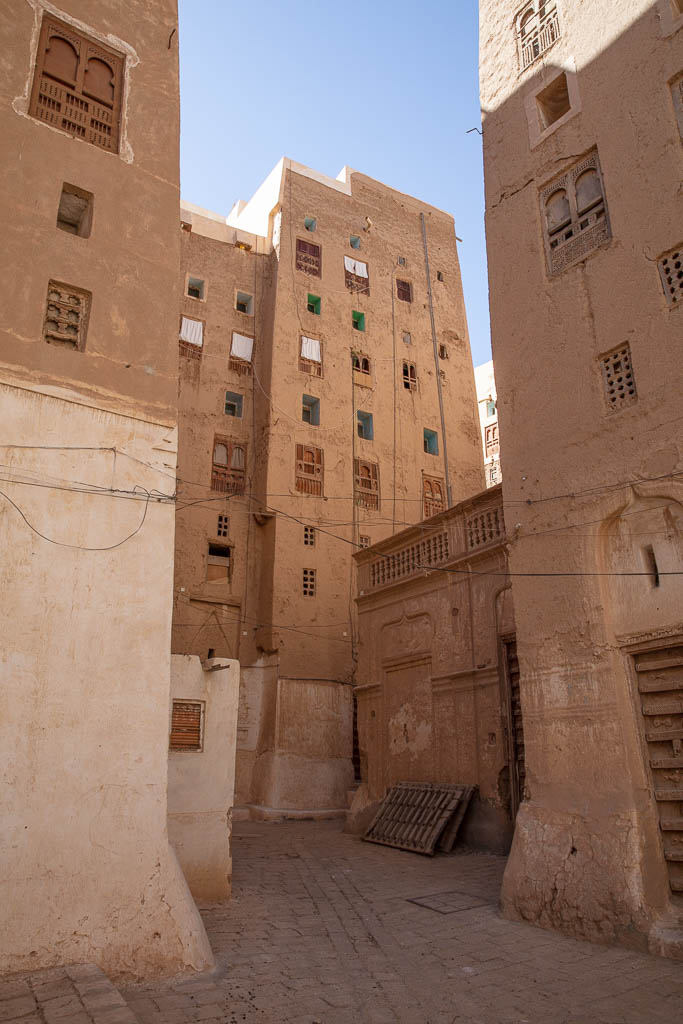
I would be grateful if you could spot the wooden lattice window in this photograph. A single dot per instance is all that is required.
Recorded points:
(491, 438)
(361, 363)
(618, 379)
(187, 725)
(309, 469)
(404, 290)
(78, 85)
(66, 315)
(308, 257)
(575, 215)
(366, 483)
(409, 376)
(311, 356)
(356, 277)
(671, 273)
(433, 500)
(538, 27)
(228, 466)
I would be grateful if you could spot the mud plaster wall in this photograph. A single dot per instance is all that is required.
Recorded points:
(201, 783)
(431, 690)
(587, 855)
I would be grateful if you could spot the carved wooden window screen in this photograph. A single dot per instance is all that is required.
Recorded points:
(366, 483)
(409, 376)
(618, 379)
(187, 720)
(538, 26)
(671, 273)
(433, 491)
(404, 290)
(361, 362)
(228, 466)
(78, 85)
(66, 315)
(575, 215)
(308, 257)
(491, 436)
(309, 469)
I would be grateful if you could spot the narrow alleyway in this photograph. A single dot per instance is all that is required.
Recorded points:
(325, 928)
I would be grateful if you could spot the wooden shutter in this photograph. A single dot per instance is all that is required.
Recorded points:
(78, 85)
(186, 725)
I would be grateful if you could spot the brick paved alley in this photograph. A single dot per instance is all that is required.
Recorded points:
(321, 928)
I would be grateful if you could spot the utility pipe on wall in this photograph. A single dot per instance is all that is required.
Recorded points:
(449, 495)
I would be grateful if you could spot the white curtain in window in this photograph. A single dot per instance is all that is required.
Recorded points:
(310, 349)
(356, 267)
(192, 331)
(241, 347)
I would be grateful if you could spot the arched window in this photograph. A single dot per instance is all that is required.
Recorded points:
(588, 190)
(61, 60)
(220, 454)
(237, 460)
(355, 359)
(557, 211)
(99, 81)
(365, 365)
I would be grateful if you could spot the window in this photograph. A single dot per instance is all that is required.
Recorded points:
(354, 241)
(358, 320)
(552, 103)
(490, 407)
(617, 378)
(671, 273)
(364, 540)
(356, 276)
(309, 469)
(309, 536)
(244, 303)
(187, 722)
(575, 215)
(313, 304)
(365, 428)
(409, 376)
(310, 410)
(308, 583)
(311, 358)
(218, 563)
(75, 211)
(66, 315)
(404, 290)
(402, 261)
(407, 340)
(433, 491)
(431, 442)
(195, 288)
(491, 439)
(233, 404)
(308, 258)
(443, 352)
(227, 468)
(310, 223)
(223, 525)
(366, 484)
(361, 363)
(77, 85)
(241, 351)
(439, 275)
(538, 27)
(191, 337)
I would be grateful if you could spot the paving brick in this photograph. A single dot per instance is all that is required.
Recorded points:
(15, 1007)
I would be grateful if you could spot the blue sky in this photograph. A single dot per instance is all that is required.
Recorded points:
(389, 87)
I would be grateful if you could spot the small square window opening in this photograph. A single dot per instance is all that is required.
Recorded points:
(187, 721)
(404, 290)
(490, 407)
(244, 303)
(308, 587)
(223, 525)
(364, 540)
(402, 261)
(218, 563)
(195, 288)
(439, 275)
(75, 211)
(431, 442)
(313, 304)
(552, 102)
(358, 320)
(310, 223)
(309, 536)
(407, 339)
(233, 404)
(354, 242)
(443, 352)
(310, 410)
(365, 426)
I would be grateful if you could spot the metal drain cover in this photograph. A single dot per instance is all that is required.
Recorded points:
(449, 902)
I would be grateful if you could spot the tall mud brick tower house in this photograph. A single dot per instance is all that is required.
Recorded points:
(583, 123)
(326, 400)
(88, 393)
